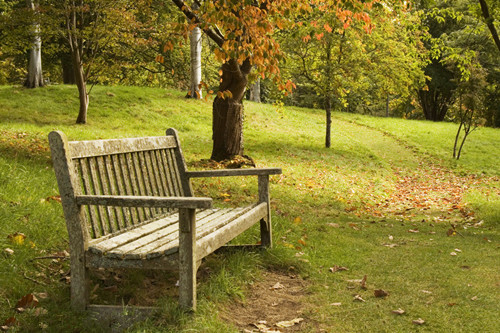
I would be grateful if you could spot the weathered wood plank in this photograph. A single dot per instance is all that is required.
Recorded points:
(97, 189)
(169, 244)
(234, 172)
(266, 236)
(167, 172)
(139, 238)
(163, 263)
(132, 186)
(67, 180)
(144, 201)
(106, 190)
(180, 164)
(87, 188)
(213, 241)
(120, 190)
(78, 149)
(187, 258)
(160, 242)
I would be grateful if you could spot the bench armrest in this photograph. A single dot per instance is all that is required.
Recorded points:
(144, 201)
(234, 172)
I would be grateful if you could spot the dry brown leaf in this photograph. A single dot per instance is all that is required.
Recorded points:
(413, 231)
(419, 321)
(10, 322)
(358, 298)
(363, 282)
(277, 286)
(398, 311)
(289, 323)
(28, 301)
(380, 293)
(338, 269)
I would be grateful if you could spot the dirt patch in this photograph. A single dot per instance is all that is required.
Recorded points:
(278, 297)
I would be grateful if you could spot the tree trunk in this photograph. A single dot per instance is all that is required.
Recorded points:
(34, 78)
(81, 83)
(227, 122)
(387, 106)
(195, 40)
(255, 91)
(328, 109)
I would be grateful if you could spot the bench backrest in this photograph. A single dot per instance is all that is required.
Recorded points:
(149, 166)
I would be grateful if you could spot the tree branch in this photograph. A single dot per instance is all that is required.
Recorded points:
(489, 22)
(214, 34)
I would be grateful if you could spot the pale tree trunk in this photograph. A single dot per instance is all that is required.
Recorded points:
(195, 40)
(227, 123)
(255, 91)
(34, 78)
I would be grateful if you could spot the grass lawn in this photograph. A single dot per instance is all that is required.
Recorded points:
(385, 210)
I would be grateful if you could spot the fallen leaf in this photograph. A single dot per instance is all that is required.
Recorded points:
(334, 225)
(289, 323)
(398, 311)
(419, 321)
(413, 231)
(10, 322)
(363, 282)
(391, 245)
(458, 250)
(380, 293)
(9, 251)
(391, 237)
(17, 238)
(297, 220)
(40, 312)
(426, 291)
(452, 304)
(336, 304)
(358, 298)
(338, 269)
(277, 286)
(475, 298)
(302, 242)
(453, 253)
(28, 301)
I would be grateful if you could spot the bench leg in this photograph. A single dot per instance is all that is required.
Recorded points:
(79, 284)
(187, 259)
(266, 233)
(265, 224)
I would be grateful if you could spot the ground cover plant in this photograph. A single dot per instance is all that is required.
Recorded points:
(383, 232)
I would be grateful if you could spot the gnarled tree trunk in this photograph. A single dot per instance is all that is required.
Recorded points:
(227, 122)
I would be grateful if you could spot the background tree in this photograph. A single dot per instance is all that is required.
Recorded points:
(244, 34)
(34, 78)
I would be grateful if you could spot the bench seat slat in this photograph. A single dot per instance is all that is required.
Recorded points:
(125, 244)
(164, 238)
(160, 237)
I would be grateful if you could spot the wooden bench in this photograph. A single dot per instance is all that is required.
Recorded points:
(128, 203)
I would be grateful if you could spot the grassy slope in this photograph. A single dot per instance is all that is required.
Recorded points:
(318, 185)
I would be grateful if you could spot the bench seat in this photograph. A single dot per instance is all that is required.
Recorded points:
(161, 237)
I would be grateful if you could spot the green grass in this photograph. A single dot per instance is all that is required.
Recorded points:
(336, 192)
